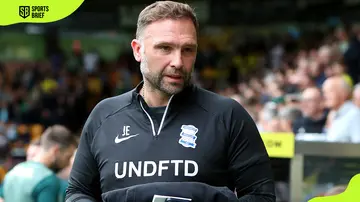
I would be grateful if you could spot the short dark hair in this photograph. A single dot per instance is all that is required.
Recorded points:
(57, 135)
(161, 10)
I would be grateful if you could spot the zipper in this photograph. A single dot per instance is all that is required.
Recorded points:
(162, 119)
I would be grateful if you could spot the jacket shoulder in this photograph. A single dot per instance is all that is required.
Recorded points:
(213, 102)
(111, 105)
(106, 108)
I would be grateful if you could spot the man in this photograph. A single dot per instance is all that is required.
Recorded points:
(35, 180)
(30, 153)
(314, 115)
(344, 126)
(168, 130)
(288, 115)
(356, 95)
(268, 118)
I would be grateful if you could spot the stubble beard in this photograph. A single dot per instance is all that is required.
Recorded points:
(155, 81)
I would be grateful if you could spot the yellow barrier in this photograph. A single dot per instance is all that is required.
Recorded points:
(279, 145)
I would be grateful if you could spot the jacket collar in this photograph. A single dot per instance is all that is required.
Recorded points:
(185, 96)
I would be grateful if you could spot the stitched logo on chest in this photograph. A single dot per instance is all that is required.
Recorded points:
(125, 136)
(188, 136)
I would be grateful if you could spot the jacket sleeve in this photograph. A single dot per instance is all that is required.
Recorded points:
(84, 183)
(249, 163)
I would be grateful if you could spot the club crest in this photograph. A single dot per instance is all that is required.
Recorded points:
(188, 136)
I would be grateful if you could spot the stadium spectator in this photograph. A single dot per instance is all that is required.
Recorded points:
(344, 126)
(287, 116)
(268, 119)
(314, 115)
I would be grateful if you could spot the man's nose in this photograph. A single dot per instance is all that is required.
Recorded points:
(177, 60)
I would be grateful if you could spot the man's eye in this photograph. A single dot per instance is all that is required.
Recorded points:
(165, 48)
(189, 50)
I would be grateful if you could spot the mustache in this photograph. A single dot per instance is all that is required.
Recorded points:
(177, 73)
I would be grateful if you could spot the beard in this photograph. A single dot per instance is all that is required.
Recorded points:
(55, 166)
(157, 82)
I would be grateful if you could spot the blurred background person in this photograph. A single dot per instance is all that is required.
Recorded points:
(288, 115)
(314, 115)
(35, 180)
(344, 126)
(268, 119)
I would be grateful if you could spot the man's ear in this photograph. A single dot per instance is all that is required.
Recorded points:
(136, 46)
(55, 149)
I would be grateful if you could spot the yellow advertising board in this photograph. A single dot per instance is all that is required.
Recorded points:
(279, 145)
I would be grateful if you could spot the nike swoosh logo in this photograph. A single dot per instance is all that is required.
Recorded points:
(118, 140)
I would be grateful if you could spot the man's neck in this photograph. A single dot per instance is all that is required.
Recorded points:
(339, 106)
(42, 158)
(64, 173)
(154, 97)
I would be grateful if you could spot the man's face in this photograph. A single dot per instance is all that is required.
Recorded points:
(332, 95)
(311, 103)
(167, 54)
(62, 158)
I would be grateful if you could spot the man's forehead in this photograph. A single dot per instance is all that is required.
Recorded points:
(170, 39)
(170, 31)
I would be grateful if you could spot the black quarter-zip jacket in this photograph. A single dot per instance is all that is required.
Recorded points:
(201, 137)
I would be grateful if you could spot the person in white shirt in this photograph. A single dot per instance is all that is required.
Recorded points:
(345, 126)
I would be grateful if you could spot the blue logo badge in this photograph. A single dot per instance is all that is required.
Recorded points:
(188, 136)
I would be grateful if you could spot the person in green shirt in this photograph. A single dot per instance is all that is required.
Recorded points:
(35, 180)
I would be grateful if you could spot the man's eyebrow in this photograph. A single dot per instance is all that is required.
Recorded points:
(192, 45)
(167, 43)
(164, 43)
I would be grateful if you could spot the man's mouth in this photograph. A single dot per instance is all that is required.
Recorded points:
(176, 78)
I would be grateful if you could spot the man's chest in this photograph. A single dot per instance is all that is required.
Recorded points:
(128, 153)
(340, 130)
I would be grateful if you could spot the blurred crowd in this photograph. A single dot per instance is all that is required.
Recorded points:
(59, 91)
(309, 90)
